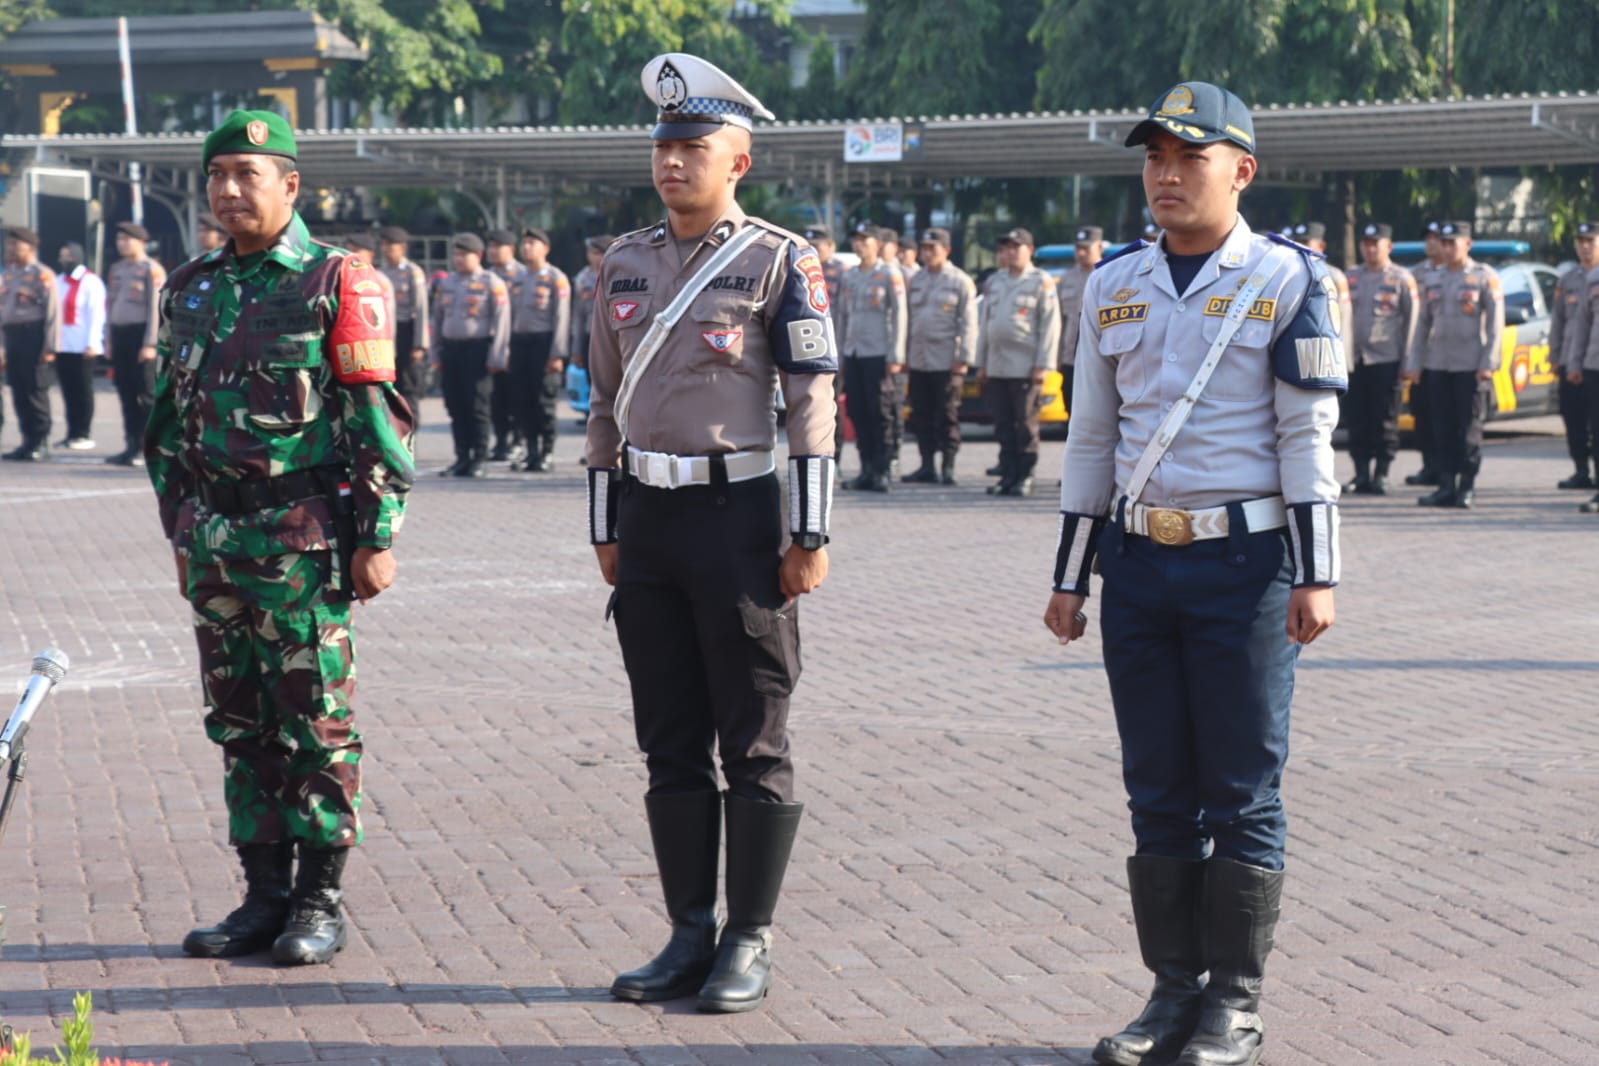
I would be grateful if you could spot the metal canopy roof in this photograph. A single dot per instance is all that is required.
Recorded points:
(1295, 142)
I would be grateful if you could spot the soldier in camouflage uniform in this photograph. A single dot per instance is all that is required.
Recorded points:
(281, 457)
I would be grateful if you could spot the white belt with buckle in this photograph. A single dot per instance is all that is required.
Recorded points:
(660, 470)
(1165, 525)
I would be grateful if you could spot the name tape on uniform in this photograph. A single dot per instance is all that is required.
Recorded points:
(1262, 310)
(1123, 313)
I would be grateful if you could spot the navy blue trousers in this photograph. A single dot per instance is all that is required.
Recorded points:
(1201, 676)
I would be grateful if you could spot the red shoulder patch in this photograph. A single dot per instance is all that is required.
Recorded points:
(362, 341)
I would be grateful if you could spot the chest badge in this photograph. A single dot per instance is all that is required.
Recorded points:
(193, 302)
(623, 310)
(722, 340)
(1122, 295)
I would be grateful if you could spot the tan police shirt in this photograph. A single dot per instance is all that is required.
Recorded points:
(410, 301)
(871, 312)
(943, 319)
(133, 297)
(473, 307)
(28, 295)
(1018, 330)
(1069, 289)
(1462, 320)
(541, 302)
(1384, 315)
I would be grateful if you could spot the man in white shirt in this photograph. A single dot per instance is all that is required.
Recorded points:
(82, 298)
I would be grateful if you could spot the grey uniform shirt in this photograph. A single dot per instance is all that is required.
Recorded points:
(473, 307)
(28, 295)
(133, 297)
(943, 319)
(410, 301)
(541, 302)
(1251, 434)
(1462, 320)
(582, 308)
(871, 312)
(1384, 325)
(1018, 329)
(1584, 353)
(1069, 288)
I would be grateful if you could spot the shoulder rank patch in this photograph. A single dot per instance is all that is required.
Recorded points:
(1128, 249)
(1118, 314)
(362, 340)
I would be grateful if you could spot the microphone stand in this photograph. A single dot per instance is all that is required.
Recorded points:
(16, 770)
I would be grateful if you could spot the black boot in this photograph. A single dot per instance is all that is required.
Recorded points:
(1466, 495)
(256, 923)
(1241, 906)
(1379, 479)
(1021, 483)
(1166, 896)
(997, 470)
(924, 474)
(760, 837)
(1579, 480)
(1361, 483)
(455, 467)
(686, 829)
(946, 468)
(315, 931)
(1443, 496)
(1425, 476)
(1007, 478)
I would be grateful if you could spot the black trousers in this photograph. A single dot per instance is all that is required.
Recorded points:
(935, 412)
(465, 375)
(30, 379)
(75, 373)
(135, 382)
(1372, 405)
(410, 377)
(863, 399)
(502, 410)
(1014, 402)
(1574, 413)
(1457, 406)
(1590, 404)
(535, 390)
(893, 399)
(1420, 406)
(711, 649)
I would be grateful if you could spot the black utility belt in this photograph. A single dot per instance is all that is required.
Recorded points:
(257, 494)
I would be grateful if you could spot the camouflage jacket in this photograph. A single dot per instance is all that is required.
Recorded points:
(279, 364)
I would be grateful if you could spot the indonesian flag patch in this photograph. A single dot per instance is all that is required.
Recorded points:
(623, 310)
(722, 340)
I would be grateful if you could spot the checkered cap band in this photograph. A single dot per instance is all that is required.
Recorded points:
(710, 105)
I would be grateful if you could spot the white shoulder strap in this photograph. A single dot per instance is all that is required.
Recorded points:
(661, 326)
(1243, 300)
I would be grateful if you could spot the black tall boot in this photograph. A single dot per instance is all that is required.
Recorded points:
(946, 468)
(1166, 896)
(256, 923)
(1241, 907)
(315, 931)
(924, 474)
(1361, 482)
(1445, 495)
(1379, 479)
(760, 838)
(686, 829)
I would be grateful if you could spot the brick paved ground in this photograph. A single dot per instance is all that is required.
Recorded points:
(957, 894)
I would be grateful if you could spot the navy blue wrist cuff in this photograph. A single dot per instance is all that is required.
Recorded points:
(810, 494)
(1313, 531)
(603, 485)
(1074, 552)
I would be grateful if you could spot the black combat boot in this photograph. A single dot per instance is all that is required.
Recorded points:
(1241, 906)
(863, 481)
(256, 923)
(1007, 478)
(454, 468)
(315, 930)
(1425, 476)
(1467, 493)
(760, 837)
(997, 470)
(1379, 479)
(1580, 480)
(946, 468)
(1021, 483)
(686, 829)
(882, 479)
(1445, 495)
(1361, 483)
(1166, 896)
(924, 474)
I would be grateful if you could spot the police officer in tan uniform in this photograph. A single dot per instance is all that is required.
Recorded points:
(1458, 335)
(833, 268)
(910, 263)
(1018, 337)
(1383, 297)
(583, 299)
(1088, 248)
(1421, 423)
(133, 287)
(541, 312)
(942, 340)
(1568, 338)
(500, 257)
(471, 346)
(871, 322)
(30, 329)
(412, 324)
(701, 319)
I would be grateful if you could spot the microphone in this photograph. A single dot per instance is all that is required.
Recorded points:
(49, 667)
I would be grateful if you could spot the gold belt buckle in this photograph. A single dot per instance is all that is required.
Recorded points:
(1171, 528)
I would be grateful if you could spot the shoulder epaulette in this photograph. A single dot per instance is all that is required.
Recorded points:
(1127, 249)
(787, 235)
(1309, 253)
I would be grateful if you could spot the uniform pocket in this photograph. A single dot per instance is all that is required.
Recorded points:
(283, 393)
(1244, 373)
(772, 643)
(720, 323)
(1121, 343)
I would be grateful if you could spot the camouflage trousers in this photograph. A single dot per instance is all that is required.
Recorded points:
(278, 666)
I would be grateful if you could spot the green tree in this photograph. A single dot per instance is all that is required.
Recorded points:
(944, 57)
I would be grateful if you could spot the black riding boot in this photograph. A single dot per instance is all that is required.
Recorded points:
(1445, 495)
(268, 872)
(760, 837)
(1241, 907)
(1166, 896)
(686, 829)
(315, 931)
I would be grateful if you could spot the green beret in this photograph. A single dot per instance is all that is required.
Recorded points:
(252, 133)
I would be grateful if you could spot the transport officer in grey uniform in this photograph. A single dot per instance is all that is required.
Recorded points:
(1088, 248)
(133, 318)
(1458, 335)
(413, 325)
(1018, 334)
(30, 330)
(1215, 536)
(701, 319)
(1568, 341)
(471, 345)
(871, 324)
(1382, 329)
(941, 346)
(541, 323)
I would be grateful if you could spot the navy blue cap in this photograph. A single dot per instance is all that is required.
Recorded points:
(1376, 231)
(1310, 231)
(1450, 230)
(1587, 229)
(1199, 112)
